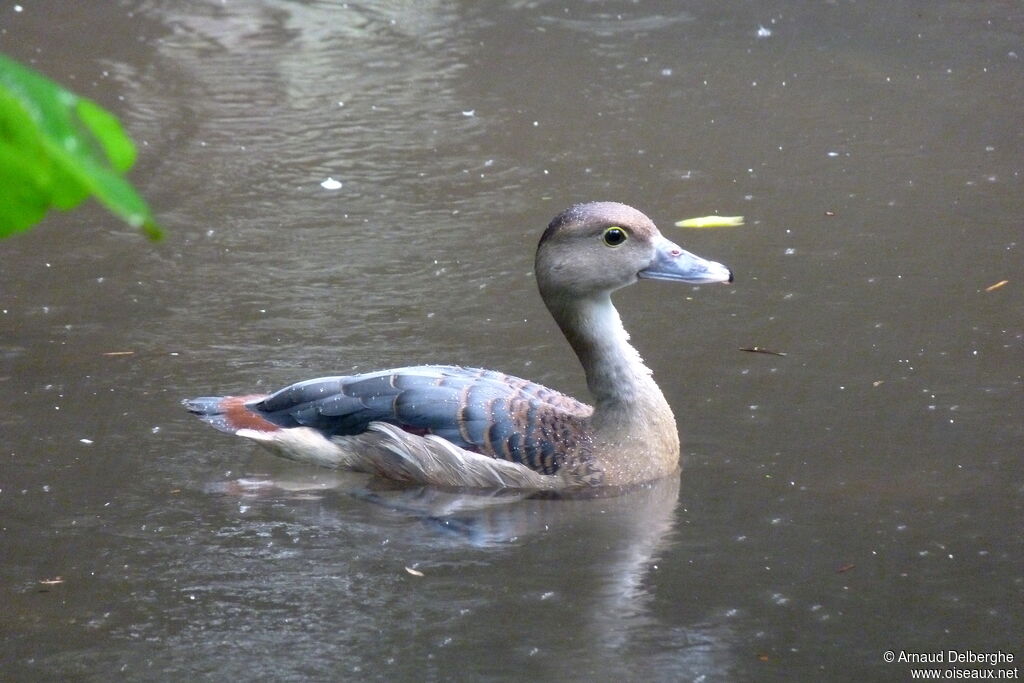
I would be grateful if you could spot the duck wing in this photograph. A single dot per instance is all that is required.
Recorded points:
(481, 411)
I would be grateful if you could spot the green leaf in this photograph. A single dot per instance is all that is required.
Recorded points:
(56, 149)
(107, 129)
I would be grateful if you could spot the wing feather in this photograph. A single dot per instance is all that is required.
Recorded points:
(481, 411)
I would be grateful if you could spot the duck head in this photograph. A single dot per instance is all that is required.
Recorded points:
(595, 248)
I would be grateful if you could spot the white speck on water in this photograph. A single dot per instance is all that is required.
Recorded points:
(46, 488)
(340, 103)
(833, 154)
(331, 184)
(155, 430)
(789, 251)
(536, 123)
(18, 8)
(666, 72)
(87, 442)
(469, 113)
(763, 32)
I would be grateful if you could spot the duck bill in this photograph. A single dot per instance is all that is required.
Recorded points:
(672, 262)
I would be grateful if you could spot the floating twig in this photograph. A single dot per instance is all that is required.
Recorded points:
(760, 349)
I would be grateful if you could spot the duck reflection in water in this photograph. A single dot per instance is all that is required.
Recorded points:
(615, 536)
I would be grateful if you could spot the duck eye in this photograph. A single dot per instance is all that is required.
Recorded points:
(614, 236)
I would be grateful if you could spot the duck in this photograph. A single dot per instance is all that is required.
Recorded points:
(469, 428)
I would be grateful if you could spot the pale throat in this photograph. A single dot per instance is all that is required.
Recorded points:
(617, 377)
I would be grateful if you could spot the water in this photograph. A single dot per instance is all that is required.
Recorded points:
(862, 493)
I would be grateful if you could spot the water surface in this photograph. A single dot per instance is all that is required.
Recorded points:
(862, 493)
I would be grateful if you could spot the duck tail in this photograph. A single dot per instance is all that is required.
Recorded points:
(229, 413)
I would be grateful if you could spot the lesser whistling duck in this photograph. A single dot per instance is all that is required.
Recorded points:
(466, 427)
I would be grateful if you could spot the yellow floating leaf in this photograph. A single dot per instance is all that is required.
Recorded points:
(414, 572)
(711, 222)
(1001, 283)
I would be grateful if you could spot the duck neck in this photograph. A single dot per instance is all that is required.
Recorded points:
(617, 377)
